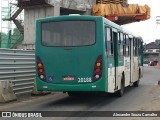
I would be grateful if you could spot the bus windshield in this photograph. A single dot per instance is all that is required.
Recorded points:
(68, 33)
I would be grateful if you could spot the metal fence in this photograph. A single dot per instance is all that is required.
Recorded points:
(19, 67)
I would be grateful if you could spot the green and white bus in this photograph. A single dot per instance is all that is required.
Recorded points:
(86, 54)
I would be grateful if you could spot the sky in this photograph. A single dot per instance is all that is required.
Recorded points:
(149, 29)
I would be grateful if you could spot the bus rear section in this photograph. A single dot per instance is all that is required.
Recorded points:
(68, 56)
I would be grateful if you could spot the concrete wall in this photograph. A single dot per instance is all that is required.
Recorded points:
(77, 4)
(30, 16)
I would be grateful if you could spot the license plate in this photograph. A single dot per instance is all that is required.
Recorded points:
(68, 78)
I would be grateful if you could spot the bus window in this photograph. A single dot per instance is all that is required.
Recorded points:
(134, 47)
(127, 46)
(112, 47)
(120, 43)
(139, 47)
(124, 45)
(68, 33)
(108, 36)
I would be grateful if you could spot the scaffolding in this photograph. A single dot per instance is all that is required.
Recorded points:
(11, 24)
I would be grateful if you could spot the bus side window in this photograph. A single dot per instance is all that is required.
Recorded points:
(112, 47)
(108, 39)
(134, 47)
(120, 43)
(124, 45)
(127, 45)
(139, 47)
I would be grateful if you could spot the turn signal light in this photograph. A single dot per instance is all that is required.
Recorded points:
(39, 65)
(98, 64)
(40, 69)
(97, 69)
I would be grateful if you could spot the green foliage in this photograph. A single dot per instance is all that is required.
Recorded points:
(16, 38)
(4, 38)
(11, 40)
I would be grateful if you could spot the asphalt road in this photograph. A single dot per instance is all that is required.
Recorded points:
(142, 98)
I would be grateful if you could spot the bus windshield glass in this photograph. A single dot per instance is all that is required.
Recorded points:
(68, 33)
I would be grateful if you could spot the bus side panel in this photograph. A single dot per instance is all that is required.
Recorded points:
(136, 69)
(121, 69)
(127, 70)
(111, 74)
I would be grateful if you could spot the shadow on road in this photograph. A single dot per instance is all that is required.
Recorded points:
(89, 99)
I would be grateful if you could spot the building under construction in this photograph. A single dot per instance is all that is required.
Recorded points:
(12, 23)
(19, 16)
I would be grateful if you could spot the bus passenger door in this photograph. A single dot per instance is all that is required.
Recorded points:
(132, 60)
(127, 59)
(109, 60)
(115, 54)
(112, 59)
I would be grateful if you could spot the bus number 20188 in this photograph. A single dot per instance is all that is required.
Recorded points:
(84, 80)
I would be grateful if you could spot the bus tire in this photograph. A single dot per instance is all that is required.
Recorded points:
(121, 91)
(136, 84)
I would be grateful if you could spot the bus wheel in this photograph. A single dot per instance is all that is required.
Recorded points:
(121, 91)
(136, 84)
